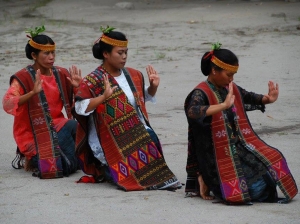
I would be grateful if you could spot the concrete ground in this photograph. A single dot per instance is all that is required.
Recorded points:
(172, 35)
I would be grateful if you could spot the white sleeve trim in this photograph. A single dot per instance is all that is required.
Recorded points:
(81, 106)
(148, 97)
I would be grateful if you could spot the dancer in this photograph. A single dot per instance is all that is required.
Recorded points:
(115, 141)
(225, 155)
(37, 94)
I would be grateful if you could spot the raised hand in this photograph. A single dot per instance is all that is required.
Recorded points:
(230, 97)
(38, 83)
(75, 78)
(108, 89)
(37, 87)
(153, 76)
(273, 93)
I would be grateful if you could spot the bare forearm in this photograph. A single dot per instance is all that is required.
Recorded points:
(152, 90)
(94, 103)
(24, 98)
(265, 100)
(213, 109)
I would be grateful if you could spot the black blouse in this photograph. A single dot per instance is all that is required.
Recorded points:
(201, 158)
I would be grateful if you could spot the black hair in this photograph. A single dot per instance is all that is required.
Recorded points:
(224, 55)
(101, 47)
(39, 39)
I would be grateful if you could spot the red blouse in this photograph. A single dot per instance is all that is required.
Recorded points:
(22, 123)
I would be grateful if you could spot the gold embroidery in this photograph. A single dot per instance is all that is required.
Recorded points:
(223, 65)
(42, 47)
(114, 42)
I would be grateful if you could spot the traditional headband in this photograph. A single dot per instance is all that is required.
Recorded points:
(33, 33)
(42, 47)
(224, 65)
(113, 42)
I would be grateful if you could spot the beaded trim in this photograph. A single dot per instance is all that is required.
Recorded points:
(223, 65)
(114, 42)
(42, 47)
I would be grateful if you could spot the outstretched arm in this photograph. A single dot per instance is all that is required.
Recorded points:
(273, 93)
(213, 109)
(153, 80)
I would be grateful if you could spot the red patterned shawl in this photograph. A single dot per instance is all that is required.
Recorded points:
(40, 120)
(233, 183)
(134, 161)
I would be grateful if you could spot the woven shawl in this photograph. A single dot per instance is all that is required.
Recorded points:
(134, 161)
(45, 136)
(233, 182)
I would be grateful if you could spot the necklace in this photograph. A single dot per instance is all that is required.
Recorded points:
(106, 70)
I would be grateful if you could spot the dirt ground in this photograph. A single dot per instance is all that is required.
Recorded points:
(172, 35)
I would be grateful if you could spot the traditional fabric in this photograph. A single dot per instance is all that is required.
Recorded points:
(35, 119)
(233, 183)
(134, 160)
(200, 159)
(93, 140)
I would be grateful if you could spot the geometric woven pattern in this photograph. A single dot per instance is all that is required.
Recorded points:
(233, 184)
(135, 162)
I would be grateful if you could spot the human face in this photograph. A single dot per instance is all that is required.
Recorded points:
(116, 59)
(44, 59)
(222, 78)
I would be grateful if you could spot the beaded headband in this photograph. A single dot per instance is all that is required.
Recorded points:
(218, 62)
(33, 33)
(224, 65)
(113, 42)
(42, 47)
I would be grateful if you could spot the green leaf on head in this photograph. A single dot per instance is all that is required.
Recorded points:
(216, 46)
(36, 31)
(107, 29)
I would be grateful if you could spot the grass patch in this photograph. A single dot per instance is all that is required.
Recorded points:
(159, 55)
(282, 133)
